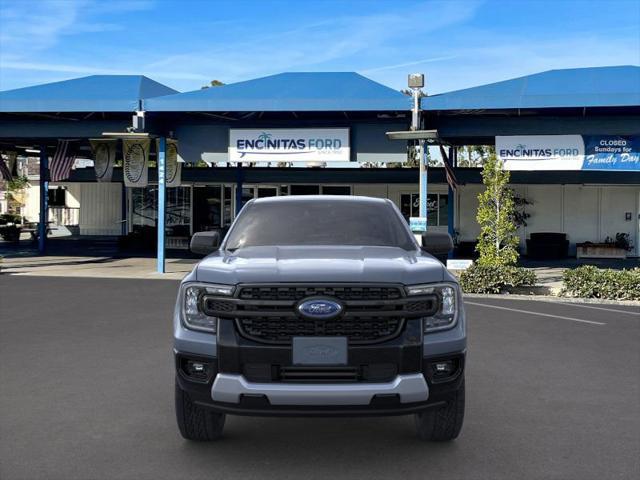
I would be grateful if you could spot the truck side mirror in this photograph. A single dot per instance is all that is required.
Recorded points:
(437, 244)
(204, 243)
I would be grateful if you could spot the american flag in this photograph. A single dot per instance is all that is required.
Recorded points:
(448, 169)
(5, 172)
(62, 161)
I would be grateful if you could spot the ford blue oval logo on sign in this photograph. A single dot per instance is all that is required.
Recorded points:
(319, 308)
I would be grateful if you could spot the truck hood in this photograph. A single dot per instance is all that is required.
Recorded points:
(320, 264)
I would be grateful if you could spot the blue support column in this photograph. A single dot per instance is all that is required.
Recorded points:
(423, 178)
(162, 207)
(44, 200)
(451, 211)
(239, 181)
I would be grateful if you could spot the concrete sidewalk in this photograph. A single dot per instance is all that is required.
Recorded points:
(549, 278)
(96, 267)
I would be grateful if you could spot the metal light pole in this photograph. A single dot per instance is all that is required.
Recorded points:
(416, 83)
(162, 202)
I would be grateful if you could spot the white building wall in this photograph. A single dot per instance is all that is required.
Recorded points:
(100, 208)
(583, 212)
(581, 216)
(615, 204)
(370, 190)
(546, 209)
(31, 210)
(73, 195)
(466, 206)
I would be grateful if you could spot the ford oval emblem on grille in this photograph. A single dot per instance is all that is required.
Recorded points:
(319, 308)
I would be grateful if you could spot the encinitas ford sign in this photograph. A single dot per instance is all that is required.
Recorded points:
(289, 145)
(541, 152)
(569, 152)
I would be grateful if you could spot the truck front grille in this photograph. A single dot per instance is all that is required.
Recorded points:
(372, 313)
(282, 330)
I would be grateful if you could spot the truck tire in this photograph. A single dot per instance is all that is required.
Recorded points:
(444, 423)
(196, 422)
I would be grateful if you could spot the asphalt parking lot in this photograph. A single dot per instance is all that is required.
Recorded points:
(86, 392)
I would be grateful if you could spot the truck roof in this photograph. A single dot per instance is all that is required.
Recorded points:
(321, 198)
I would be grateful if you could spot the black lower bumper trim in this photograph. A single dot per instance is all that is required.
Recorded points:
(260, 407)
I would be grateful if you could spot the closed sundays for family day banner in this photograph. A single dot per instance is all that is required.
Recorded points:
(569, 152)
(289, 145)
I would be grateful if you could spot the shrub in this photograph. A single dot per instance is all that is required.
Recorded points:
(592, 282)
(494, 279)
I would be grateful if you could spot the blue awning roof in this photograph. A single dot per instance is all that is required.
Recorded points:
(576, 87)
(96, 93)
(288, 92)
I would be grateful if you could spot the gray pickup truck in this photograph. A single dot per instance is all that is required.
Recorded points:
(319, 306)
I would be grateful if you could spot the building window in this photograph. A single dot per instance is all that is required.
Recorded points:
(206, 208)
(144, 209)
(304, 189)
(336, 190)
(409, 205)
(437, 208)
(57, 197)
(432, 209)
(227, 213)
(179, 211)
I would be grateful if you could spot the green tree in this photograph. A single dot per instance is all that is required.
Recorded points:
(15, 195)
(213, 83)
(497, 243)
(474, 155)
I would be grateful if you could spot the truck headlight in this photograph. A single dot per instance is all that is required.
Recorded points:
(193, 317)
(447, 313)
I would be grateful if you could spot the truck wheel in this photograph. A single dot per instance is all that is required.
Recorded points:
(196, 422)
(444, 423)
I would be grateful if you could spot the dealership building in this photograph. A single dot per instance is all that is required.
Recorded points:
(570, 137)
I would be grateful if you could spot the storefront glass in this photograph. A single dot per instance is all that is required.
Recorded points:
(144, 208)
(437, 211)
(207, 210)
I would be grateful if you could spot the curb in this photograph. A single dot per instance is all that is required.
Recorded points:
(554, 299)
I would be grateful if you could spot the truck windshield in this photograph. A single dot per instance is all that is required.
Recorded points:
(313, 222)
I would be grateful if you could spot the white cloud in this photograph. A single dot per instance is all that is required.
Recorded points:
(90, 70)
(351, 42)
(30, 27)
(348, 40)
(408, 64)
(436, 37)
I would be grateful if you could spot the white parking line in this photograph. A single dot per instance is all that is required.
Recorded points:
(598, 308)
(534, 313)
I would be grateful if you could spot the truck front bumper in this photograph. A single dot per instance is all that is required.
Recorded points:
(231, 388)
(405, 394)
(246, 377)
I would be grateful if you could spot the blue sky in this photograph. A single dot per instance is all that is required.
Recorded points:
(184, 44)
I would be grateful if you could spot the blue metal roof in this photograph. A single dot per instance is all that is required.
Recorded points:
(288, 92)
(96, 93)
(576, 87)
